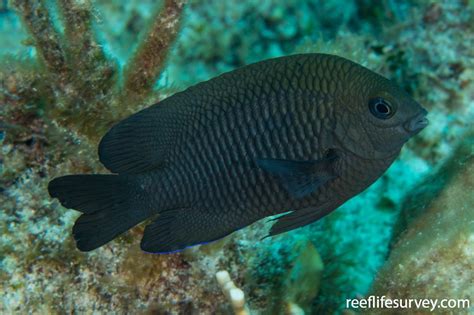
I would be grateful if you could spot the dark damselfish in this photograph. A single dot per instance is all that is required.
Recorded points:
(302, 133)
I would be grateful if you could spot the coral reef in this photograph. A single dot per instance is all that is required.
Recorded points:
(74, 69)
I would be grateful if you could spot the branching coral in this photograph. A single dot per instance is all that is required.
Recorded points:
(80, 87)
(235, 295)
(148, 60)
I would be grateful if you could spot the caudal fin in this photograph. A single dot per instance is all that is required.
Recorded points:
(106, 204)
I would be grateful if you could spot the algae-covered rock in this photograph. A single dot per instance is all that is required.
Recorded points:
(434, 257)
(304, 278)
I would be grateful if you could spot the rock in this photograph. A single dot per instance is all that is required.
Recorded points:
(434, 257)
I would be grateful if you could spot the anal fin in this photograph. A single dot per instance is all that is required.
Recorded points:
(177, 229)
(300, 218)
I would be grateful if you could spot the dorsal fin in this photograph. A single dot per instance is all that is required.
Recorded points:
(142, 141)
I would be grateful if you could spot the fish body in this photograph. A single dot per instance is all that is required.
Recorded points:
(302, 133)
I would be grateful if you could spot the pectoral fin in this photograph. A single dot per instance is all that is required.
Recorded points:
(300, 178)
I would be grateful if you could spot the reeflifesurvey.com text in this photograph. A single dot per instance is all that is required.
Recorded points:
(383, 302)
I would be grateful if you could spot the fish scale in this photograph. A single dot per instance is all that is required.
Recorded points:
(260, 147)
(296, 134)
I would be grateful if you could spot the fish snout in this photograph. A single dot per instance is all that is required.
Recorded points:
(417, 123)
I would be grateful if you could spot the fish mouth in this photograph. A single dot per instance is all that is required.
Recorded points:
(417, 123)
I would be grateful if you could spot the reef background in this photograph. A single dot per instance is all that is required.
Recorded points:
(411, 234)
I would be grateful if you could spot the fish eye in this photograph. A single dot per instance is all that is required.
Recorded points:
(381, 108)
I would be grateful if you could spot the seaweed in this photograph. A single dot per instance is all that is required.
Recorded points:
(72, 82)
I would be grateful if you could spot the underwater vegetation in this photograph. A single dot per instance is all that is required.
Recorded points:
(70, 69)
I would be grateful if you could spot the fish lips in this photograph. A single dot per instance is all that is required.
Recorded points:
(417, 123)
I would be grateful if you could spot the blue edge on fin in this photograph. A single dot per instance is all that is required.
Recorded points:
(180, 250)
(198, 244)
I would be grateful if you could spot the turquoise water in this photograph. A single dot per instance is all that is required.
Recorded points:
(63, 83)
